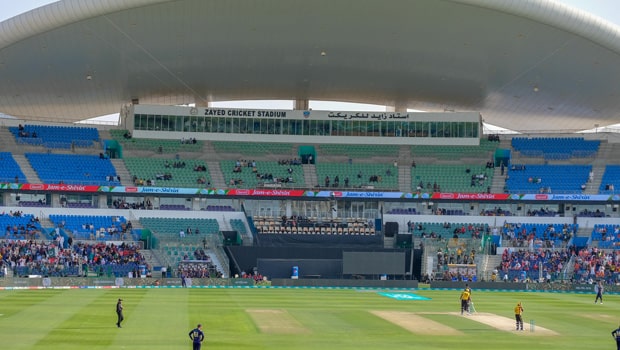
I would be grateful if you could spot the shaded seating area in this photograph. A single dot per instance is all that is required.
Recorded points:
(359, 151)
(238, 225)
(49, 136)
(92, 227)
(169, 229)
(38, 203)
(249, 149)
(219, 208)
(173, 207)
(484, 151)
(241, 174)
(403, 211)
(451, 178)
(179, 252)
(548, 179)
(447, 230)
(73, 169)
(555, 147)
(168, 172)
(298, 225)
(10, 170)
(156, 145)
(357, 175)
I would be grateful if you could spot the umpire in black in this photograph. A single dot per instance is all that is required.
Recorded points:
(119, 313)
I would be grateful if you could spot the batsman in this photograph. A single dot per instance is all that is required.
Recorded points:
(519, 316)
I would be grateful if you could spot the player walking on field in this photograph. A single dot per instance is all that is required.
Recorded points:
(519, 316)
(465, 300)
(119, 313)
(599, 289)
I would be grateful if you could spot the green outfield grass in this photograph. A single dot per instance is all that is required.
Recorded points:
(298, 319)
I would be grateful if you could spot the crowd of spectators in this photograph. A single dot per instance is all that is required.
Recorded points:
(593, 264)
(28, 230)
(108, 258)
(42, 258)
(48, 258)
(198, 266)
(523, 265)
(519, 235)
(459, 255)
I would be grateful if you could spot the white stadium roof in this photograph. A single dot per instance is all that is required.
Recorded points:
(524, 64)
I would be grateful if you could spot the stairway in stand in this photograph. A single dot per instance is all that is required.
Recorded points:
(121, 170)
(310, 175)
(24, 164)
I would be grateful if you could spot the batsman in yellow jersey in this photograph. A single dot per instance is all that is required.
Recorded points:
(519, 316)
(465, 299)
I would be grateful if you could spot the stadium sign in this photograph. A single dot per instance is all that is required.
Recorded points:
(297, 193)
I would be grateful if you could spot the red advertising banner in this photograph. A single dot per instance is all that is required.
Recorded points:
(472, 196)
(266, 193)
(54, 187)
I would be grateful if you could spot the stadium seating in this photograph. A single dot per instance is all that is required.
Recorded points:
(238, 225)
(9, 169)
(484, 151)
(73, 169)
(156, 169)
(452, 178)
(359, 151)
(155, 145)
(21, 226)
(90, 227)
(610, 180)
(64, 137)
(310, 226)
(461, 230)
(606, 236)
(523, 265)
(168, 229)
(558, 234)
(359, 174)
(249, 149)
(249, 179)
(555, 147)
(548, 179)
(173, 207)
(219, 208)
(403, 211)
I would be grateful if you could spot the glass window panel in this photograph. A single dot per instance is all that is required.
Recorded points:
(390, 129)
(305, 127)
